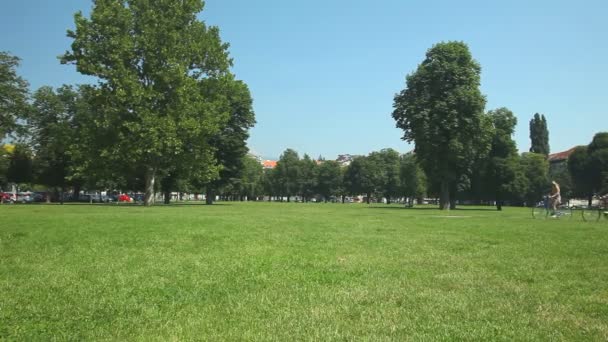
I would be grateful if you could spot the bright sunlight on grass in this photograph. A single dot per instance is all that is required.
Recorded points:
(279, 271)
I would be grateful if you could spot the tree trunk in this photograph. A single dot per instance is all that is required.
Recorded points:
(76, 191)
(388, 199)
(209, 197)
(62, 194)
(498, 201)
(343, 199)
(288, 198)
(444, 199)
(149, 194)
(590, 200)
(167, 197)
(453, 192)
(369, 195)
(48, 196)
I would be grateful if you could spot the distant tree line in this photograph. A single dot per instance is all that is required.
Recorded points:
(383, 174)
(168, 116)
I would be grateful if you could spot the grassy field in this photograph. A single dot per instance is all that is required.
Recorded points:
(284, 272)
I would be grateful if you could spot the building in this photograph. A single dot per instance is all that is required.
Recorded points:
(558, 162)
(269, 164)
(345, 159)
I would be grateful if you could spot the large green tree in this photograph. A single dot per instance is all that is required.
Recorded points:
(13, 94)
(329, 179)
(441, 111)
(20, 165)
(579, 169)
(413, 179)
(535, 170)
(230, 143)
(51, 128)
(307, 178)
(149, 58)
(588, 167)
(502, 162)
(598, 159)
(287, 174)
(388, 179)
(539, 135)
(252, 177)
(364, 176)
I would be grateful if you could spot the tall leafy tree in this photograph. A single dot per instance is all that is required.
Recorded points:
(252, 179)
(535, 169)
(502, 162)
(20, 165)
(598, 159)
(539, 135)
(150, 57)
(307, 177)
(588, 167)
(230, 143)
(5, 154)
(92, 146)
(329, 179)
(389, 180)
(287, 174)
(363, 176)
(13, 94)
(441, 111)
(270, 183)
(413, 179)
(51, 124)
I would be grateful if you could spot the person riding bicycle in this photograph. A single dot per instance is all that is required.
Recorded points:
(555, 198)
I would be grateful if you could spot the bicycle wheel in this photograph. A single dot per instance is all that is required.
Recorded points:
(591, 214)
(539, 212)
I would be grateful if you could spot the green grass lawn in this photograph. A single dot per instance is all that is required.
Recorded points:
(280, 271)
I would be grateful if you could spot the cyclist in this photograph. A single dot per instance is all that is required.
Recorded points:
(555, 198)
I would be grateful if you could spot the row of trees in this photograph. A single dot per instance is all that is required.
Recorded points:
(517, 179)
(380, 174)
(166, 106)
(460, 146)
(588, 167)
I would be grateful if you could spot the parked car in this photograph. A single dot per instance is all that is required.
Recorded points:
(92, 198)
(40, 196)
(25, 197)
(125, 198)
(7, 197)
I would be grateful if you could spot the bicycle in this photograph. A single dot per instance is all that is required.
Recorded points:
(543, 210)
(595, 213)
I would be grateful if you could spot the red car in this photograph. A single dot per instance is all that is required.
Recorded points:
(6, 197)
(124, 198)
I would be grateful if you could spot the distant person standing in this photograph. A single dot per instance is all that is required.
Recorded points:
(555, 197)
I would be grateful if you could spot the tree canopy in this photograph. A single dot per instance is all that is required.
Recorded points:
(150, 58)
(539, 135)
(13, 94)
(441, 111)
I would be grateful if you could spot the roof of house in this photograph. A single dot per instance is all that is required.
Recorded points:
(269, 164)
(560, 156)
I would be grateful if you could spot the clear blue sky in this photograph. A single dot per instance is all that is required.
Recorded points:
(323, 73)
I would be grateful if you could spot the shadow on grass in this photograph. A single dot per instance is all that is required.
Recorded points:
(121, 205)
(434, 209)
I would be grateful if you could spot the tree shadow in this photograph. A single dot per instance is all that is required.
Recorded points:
(122, 205)
(435, 209)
